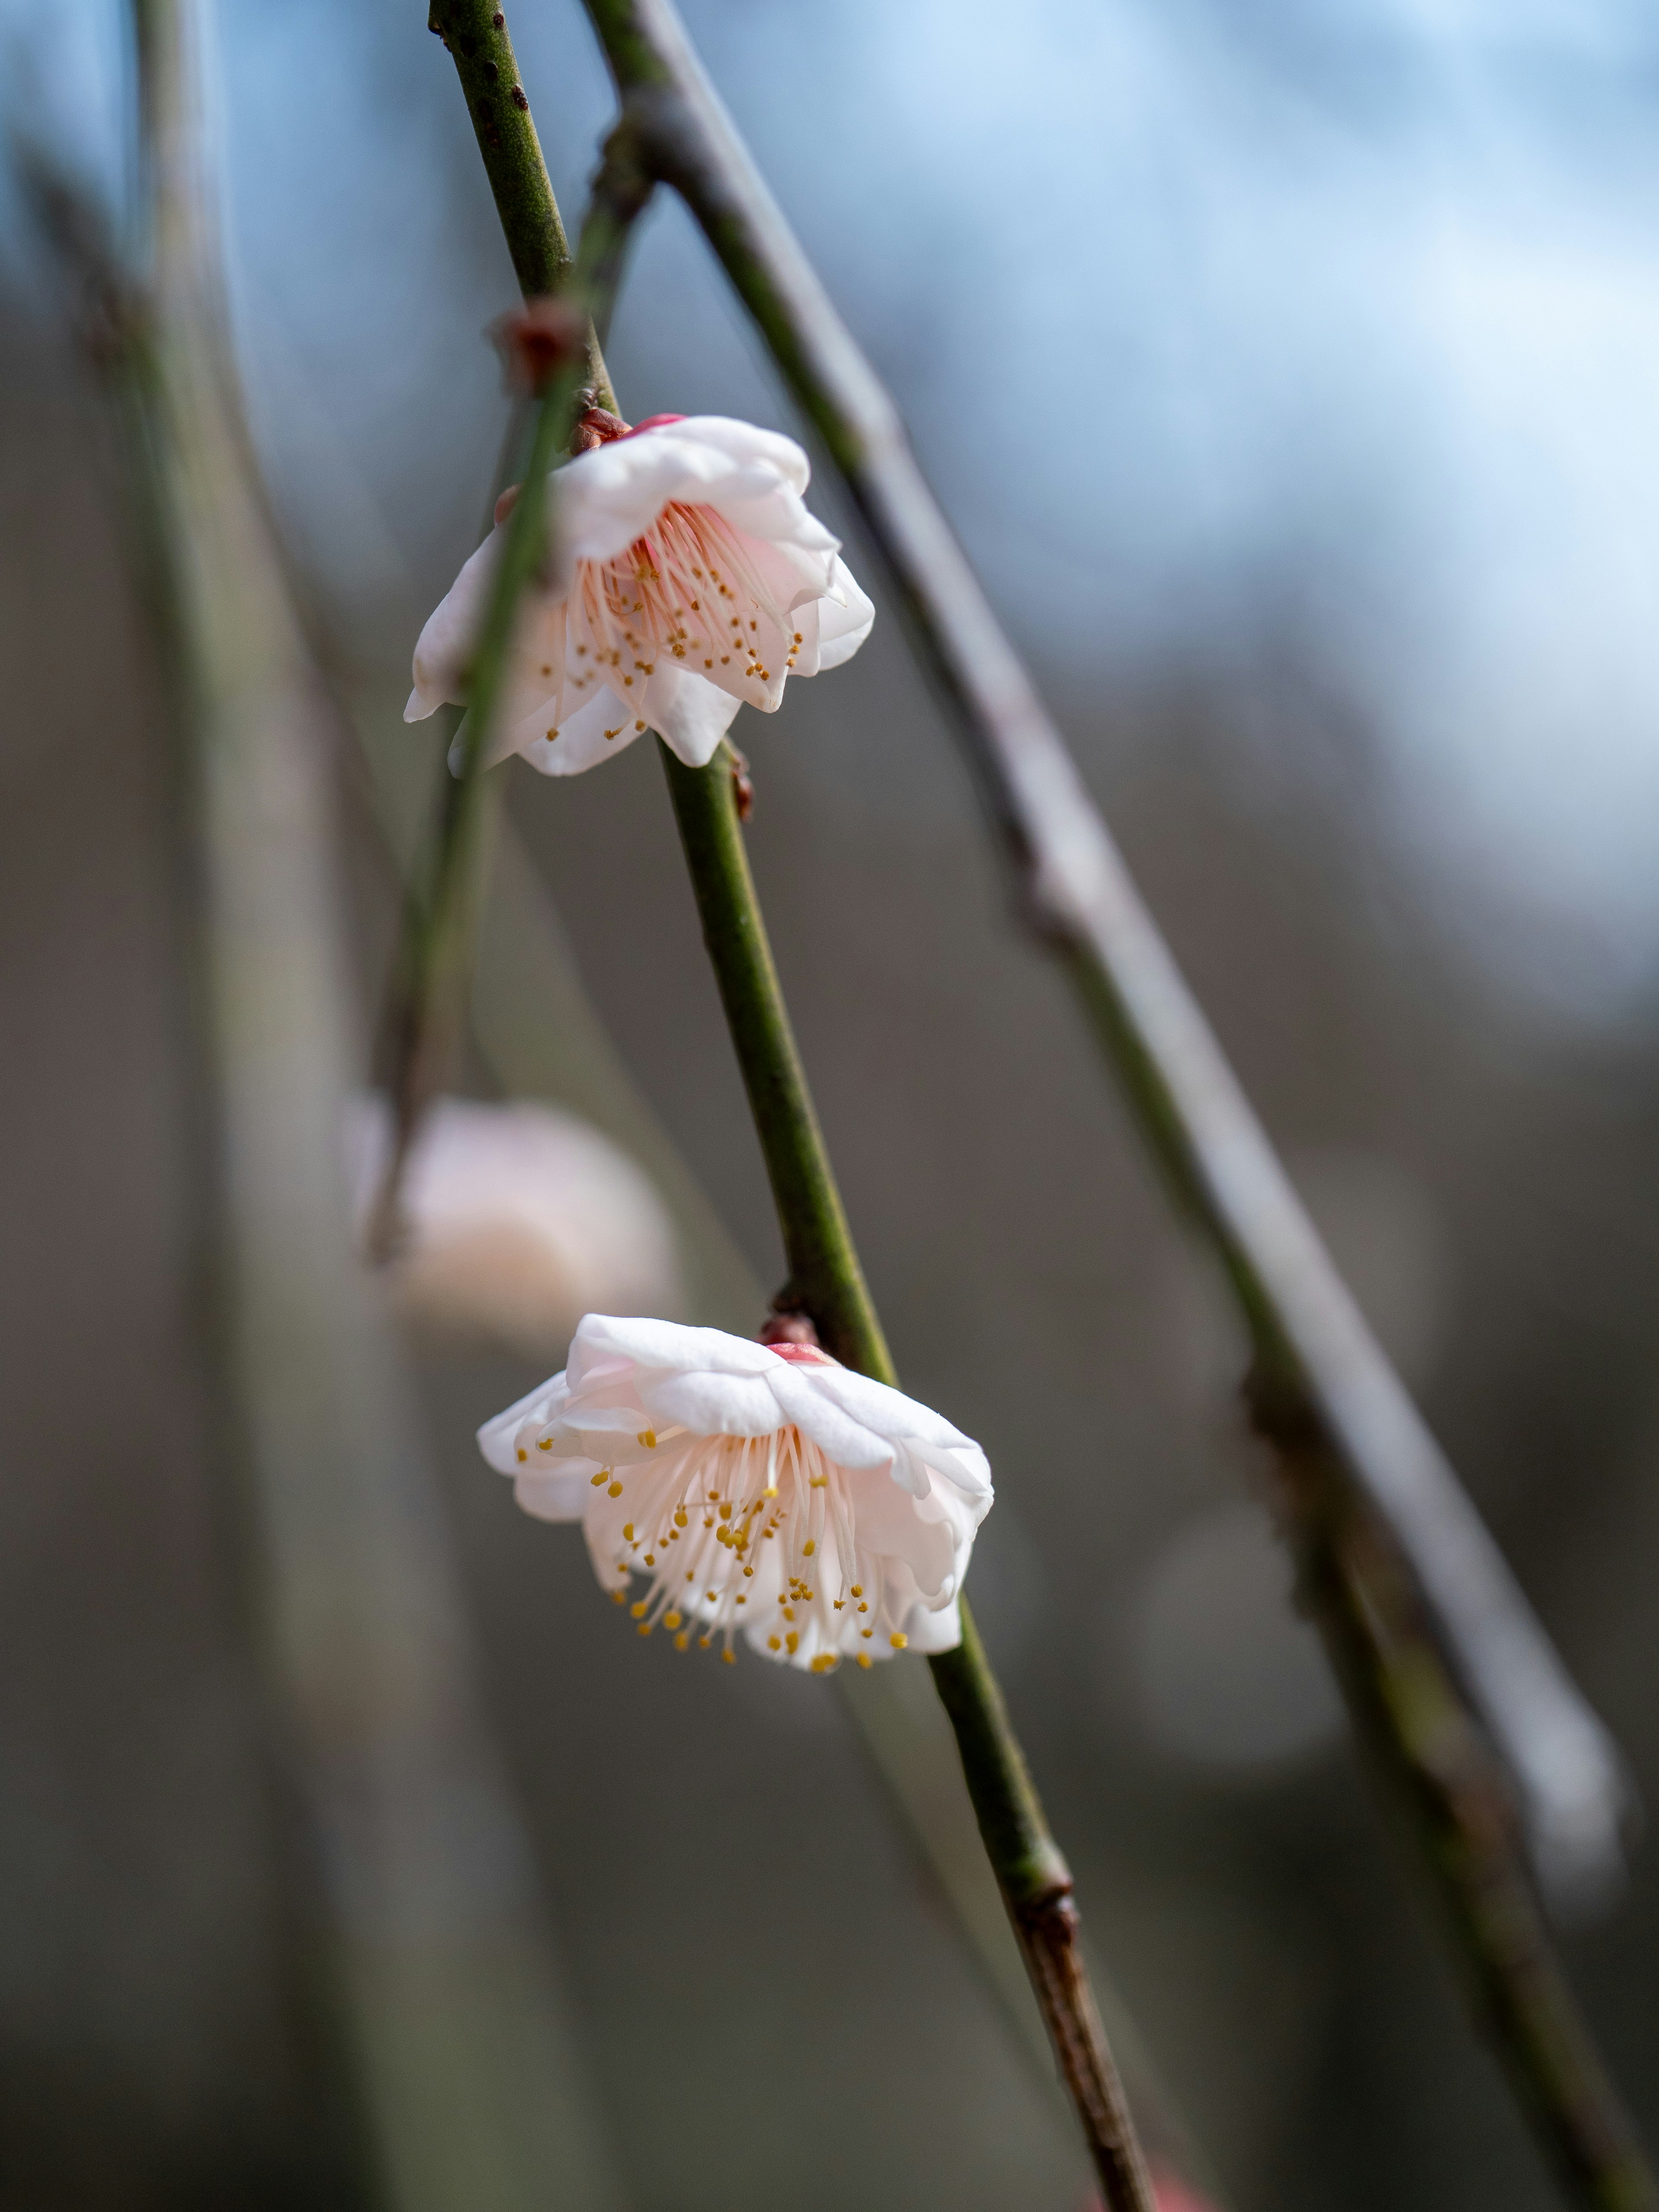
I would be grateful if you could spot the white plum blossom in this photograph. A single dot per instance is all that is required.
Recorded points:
(691, 580)
(759, 1488)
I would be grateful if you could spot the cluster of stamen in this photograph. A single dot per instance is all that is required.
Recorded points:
(687, 593)
(731, 1528)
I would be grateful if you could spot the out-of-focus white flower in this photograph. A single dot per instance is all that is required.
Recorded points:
(518, 1220)
(692, 580)
(759, 1487)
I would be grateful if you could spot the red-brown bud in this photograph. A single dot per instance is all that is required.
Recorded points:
(595, 426)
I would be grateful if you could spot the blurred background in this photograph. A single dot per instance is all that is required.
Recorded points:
(1293, 376)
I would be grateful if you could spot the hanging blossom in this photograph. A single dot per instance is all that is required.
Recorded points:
(691, 580)
(759, 1488)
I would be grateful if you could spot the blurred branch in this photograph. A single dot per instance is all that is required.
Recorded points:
(434, 1940)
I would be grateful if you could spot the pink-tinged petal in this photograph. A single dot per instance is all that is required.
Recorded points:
(689, 714)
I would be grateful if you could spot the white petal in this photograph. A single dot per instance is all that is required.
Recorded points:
(555, 1494)
(842, 628)
(608, 497)
(713, 1405)
(445, 646)
(599, 730)
(606, 1338)
(939, 1631)
(692, 715)
(495, 1438)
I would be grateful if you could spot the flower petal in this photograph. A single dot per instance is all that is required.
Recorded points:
(713, 1404)
(843, 625)
(599, 729)
(606, 1338)
(558, 1493)
(690, 715)
(495, 1438)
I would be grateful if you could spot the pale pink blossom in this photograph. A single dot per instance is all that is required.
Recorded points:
(691, 580)
(756, 1488)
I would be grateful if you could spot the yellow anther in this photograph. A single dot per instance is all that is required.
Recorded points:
(543, 1443)
(671, 1620)
(864, 1605)
(680, 1517)
(644, 1628)
(682, 1640)
(858, 1589)
(897, 1640)
(649, 1560)
(775, 1644)
(628, 1531)
(646, 1436)
(703, 1643)
(523, 1454)
(864, 1658)
(740, 1599)
(616, 1596)
(638, 1608)
(867, 1632)
(615, 1491)
(770, 1490)
(840, 1602)
(808, 1549)
(749, 1571)
(792, 1641)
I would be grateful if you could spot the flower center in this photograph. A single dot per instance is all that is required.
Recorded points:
(687, 593)
(743, 1532)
